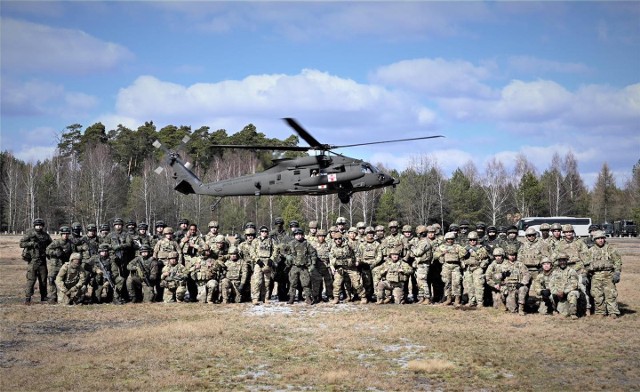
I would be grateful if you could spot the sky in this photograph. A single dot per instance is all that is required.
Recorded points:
(497, 79)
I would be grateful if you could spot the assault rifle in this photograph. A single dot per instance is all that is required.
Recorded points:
(145, 275)
(106, 274)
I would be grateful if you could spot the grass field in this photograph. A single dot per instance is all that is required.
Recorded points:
(171, 347)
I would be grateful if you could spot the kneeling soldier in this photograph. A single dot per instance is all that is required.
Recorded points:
(395, 273)
(174, 279)
(71, 282)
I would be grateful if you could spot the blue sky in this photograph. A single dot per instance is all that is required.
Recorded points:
(497, 79)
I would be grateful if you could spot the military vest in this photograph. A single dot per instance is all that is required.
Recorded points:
(343, 256)
(264, 248)
(530, 254)
(564, 280)
(450, 253)
(395, 273)
(234, 269)
(70, 275)
(514, 271)
(165, 247)
(59, 251)
(300, 250)
(602, 259)
(323, 250)
(423, 252)
(477, 256)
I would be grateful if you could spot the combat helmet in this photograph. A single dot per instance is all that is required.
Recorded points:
(407, 229)
(167, 230)
(450, 236)
(472, 235)
(421, 229)
(38, 222)
(65, 230)
(498, 252)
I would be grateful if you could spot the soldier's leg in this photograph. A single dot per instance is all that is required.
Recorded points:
(611, 297)
(572, 303)
(316, 286)
(267, 286)
(169, 295)
(202, 291)
(356, 283)
(181, 292)
(597, 292)
(367, 282)
(305, 282)
(31, 281)
(398, 294)
(338, 278)
(522, 298)
(257, 285)
(328, 282)
(424, 294)
(294, 277)
(446, 279)
(134, 288)
(147, 293)
(118, 290)
(380, 289)
(468, 287)
(511, 301)
(498, 299)
(456, 283)
(479, 283)
(225, 290)
(52, 292)
(42, 274)
(212, 291)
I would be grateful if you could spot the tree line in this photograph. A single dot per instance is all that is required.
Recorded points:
(96, 175)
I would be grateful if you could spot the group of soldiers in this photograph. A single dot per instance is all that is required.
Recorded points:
(550, 272)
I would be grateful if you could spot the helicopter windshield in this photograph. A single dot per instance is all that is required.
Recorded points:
(368, 168)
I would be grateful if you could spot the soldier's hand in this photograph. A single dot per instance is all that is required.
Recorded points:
(546, 293)
(560, 294)
(240, 287)
(616, 277)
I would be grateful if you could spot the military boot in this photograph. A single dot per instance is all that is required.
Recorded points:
(456, 302)
(291, 300)
(447, 302)
(364, 300)
(521, 310)
(379, 302)
(387, 300)
(335, 300)
(255, 302)
(309, 301)
(427, 301)
(27, 301)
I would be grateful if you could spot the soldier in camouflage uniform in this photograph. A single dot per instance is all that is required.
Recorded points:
(394, 274)
(422, 256)
(361, 228)
(301, 261)
(161, 251)
(556, 237)
(313, 232)
(590, 241)
(577, 251)
(515, 284)
(564, 287)
(121, 246)
(143, 276)
(76, 234)
(368, 256)
(495, 278)
(174, 279)
(544, 234)
(247, 251)
(343, 262)
(541, 286)
(89, 243)
(58, 253)
(321, 274)
(34, 245)
(211, 271)
(531, 253)
(450, 256)
(481, 229)
(605, 265)
(455, 229)
(492, 240)
(157, 235)
(474, 265)
(463, 232)
(379, 233)
(434, 276)
(141, 237)
(236, 277)
(341, 225)
(265, 254)
(181, 231)
(105, 280)
(191, 245)
(511, 239)
(408, 242)
(71, 281)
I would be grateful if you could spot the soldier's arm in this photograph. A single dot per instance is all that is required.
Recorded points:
(526, 276)
(617, 260)
(60, 278)
(28, 240)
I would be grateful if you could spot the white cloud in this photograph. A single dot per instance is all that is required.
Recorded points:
(34, 153)
(537, 101)
(32, 47)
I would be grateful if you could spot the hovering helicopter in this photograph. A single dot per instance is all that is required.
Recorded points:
(325, 173)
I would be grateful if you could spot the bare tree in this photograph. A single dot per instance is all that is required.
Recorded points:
(496, 188)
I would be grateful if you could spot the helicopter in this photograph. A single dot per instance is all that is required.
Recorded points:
(325, 173)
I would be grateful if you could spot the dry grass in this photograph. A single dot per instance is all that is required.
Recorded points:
(277, 347)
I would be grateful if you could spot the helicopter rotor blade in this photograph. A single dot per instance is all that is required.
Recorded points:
(313, 143)
(258, 147)
(386, 141)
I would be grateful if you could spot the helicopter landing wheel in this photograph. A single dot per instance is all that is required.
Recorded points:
(344, 197)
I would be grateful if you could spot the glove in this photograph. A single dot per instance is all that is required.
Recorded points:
(616, 277)
(546, 293)
(240, 287)
(260, 263)
(506, 274)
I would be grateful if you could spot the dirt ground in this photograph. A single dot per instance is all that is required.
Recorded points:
(171, 347)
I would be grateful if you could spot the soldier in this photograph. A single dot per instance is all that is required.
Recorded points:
(481, 228)
(494, 276)
(394, 275)
(352, 239)
(341, 224)
(564, 287)
(34, 245)
(106, 282)
(211, 271)
(191, 245)
(422, 257)
(541, 286)
(531, 253)
(174, 279)
(121, 246)
(605, 266)
(247, 251)
(131, 227)
(463, 231)
(379, 233)
(76, 234)
(141, 238)
(71, 281)
(556, 236)
(343, 262)
(408, 242)
(590, 241)
(577, 252)
(143, 276)
(450, 256)
(213, 227)
(455, 229)
(361, 228)
(265, 254)
(181, 231)
(161, 252)
(368, 256)
(301, 261)
(313, 232)
(502, 232)
(279, 233)
(157, 235)
(58, 253)
(236, 276)
(511, 239)
(393, 240)
(516, 281)
(434, 278)
(544, 233)
(321, 274)
(90, 242)
(474, 265)
(492, 241)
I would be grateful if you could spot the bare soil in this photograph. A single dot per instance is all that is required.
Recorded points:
(322, 347)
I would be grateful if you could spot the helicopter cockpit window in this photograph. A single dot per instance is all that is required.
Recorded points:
(367, 168)
(314, 173)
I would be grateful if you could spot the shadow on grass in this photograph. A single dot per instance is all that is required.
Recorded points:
(625, 310)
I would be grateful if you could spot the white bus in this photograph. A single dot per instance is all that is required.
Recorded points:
(580, 225)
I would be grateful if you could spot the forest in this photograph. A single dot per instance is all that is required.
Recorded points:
(97, 174)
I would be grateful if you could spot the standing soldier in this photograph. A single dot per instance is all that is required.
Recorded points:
(321, 273)
(237, 275)
(34, 245)
(58, 252)
(450, 255)
(191, 245)
(341, 225)
(157, 235)
(352, 239)
(481, 229)
(76, 234)
(434, 276)
(174, 279)
(605, 266)
(577, 252)
(544, 234)
(423, 254)
(211, 271)
(265, 254)
(143, 276)
(141, 238)
(531, 253)
(103, 236)
(362, 231)
(492, 241)
(105, 276)
(542, 288)
(379, 233)
(368, 256)
(394, 275)
(515, 282)
(313, 232)
(121, 246)
(474, 264)
(183, 226)
(463, 232)
(590, 241)
(71, 281)
(511, 239)
(556, 237)
(279, 233)
(343, 261)
(393, 240)
(495, 276)
(301, 260)
(564, 287)
(90, 242)
(161, 251)
(248, 254)
(408, 242)
(455, 229)
(131, 228)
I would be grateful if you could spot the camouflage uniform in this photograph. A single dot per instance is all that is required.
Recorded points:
(531, 253)
(564, 288)
(474, 265)
(495, 274)
(541, 287)
(321, 275)
(408, 242)
(247, 251)
(605, 266)
(394, 273)
(265, 254)
(343, 262)
(236, 277)
(34, 245)
(450, 256)
(122, 247)
(71, 282)
(423, 255)
(191, 246)
(515, 283)
(301, 260)
(89, 245)
(174, 279)
(577, 252)
(143, 276)
(58, 252)
(368, 256)
(106, 281)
